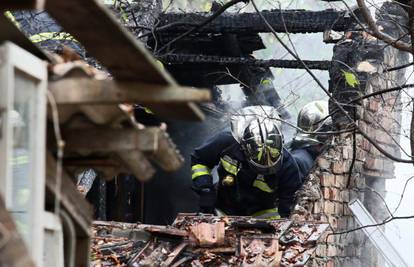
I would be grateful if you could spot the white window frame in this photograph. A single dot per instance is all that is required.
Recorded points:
(12, 59)
(53, 224)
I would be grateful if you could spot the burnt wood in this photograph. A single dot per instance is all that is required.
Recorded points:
(178, 59)
(294, 21)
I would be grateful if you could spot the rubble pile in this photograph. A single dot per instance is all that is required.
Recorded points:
(206, 240)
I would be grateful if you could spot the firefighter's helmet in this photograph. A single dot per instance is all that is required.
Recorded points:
(262, 144)
(314, 119)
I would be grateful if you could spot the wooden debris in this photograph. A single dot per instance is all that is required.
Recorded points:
(220, 241)
(259, 251)
(208, 235)
(166, 231)
(174, 254)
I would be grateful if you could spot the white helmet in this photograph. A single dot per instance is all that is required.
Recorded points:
(257, 130)
(314, 118)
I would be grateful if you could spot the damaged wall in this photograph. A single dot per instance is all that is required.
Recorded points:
(329, 188)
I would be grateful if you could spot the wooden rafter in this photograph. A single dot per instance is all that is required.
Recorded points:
(130, 145)
(89, 91)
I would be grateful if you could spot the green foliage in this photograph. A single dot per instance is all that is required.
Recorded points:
(266, 82)
(350, 78)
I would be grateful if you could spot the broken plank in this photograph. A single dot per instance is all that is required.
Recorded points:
(174, 254)
(166, 231)
(91, 91)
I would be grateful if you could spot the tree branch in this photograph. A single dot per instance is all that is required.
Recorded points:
(377, 33)
(338, 105)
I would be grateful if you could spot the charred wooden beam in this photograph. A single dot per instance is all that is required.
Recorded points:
(175, 59)
(90, 91)
(293, 21)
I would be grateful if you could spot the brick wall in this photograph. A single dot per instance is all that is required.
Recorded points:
(329, 187)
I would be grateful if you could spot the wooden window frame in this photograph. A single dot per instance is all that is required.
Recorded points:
(14, 59)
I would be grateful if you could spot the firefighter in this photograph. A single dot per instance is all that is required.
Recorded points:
(308, 143)
(257, 175)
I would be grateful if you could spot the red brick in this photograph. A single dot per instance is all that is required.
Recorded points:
(317, 207)
(333, 222)
(341, 181)
(339, 167)
(329, 207)
(327, 179)
(339, 208)
(374, 163)
(331, 251)
(321, 250)
(323, 163)
(373, 105)
(330, 193)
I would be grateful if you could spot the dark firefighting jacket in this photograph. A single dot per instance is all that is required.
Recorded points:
(304, 154)
(250, 193)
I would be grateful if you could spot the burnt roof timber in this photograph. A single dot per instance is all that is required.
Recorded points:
(294, 21)
(92, 24)
(179, 59)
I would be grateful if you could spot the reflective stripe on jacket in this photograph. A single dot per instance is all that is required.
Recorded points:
(240, 190)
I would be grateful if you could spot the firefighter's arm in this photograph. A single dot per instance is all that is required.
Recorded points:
(203, 160)
(286, 199)
(290, 182)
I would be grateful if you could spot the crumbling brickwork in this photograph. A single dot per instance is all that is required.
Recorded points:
(329, 187)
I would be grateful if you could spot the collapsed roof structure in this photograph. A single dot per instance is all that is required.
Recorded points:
(200, 240)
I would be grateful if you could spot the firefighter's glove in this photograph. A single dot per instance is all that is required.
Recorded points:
(207, 200)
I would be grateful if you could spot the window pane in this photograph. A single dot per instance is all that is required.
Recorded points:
(22, 118)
